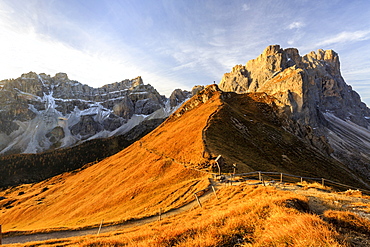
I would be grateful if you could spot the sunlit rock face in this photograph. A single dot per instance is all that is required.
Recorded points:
(310, 91)
(39, 112)
(302, 84)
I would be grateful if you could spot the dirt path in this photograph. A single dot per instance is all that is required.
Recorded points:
(67, 234)
(319, 201)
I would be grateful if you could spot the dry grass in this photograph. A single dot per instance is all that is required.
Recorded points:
(353, 228)
(156, 172)
(182, 139)
(354, 193)
(243, 216)
(134, 183)
(85, 198)
(315, 185)
(348, 220)
(363, 206)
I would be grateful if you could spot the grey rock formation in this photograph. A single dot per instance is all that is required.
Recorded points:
(196, 89)
(311, 93)
(178, 96)
(40, 112)
(302, 84)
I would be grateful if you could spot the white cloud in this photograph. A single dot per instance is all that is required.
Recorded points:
(97, 62)
(345, 37)
(29, 51)
(296, 25)
(246, 7)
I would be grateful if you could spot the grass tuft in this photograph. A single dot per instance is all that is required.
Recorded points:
(348, 220)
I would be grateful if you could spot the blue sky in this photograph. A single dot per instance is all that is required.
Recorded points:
(176, 43)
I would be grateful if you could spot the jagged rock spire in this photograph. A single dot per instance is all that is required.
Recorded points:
(301, 84)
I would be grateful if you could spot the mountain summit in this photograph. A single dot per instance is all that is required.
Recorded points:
(40, 112)
(310, 91)
(303, 85)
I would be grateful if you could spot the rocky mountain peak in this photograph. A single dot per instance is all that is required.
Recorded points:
(40, 112)
(29, 75)
(201, 97)
(196, 89)
(300, 83)
(271, 50)
(328, 58)
(61, 77)
(310, 91)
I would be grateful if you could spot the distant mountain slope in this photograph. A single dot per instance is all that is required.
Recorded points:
(41, 113)
(161, 170)
(155, 172)
(30, 168)
(310, 91)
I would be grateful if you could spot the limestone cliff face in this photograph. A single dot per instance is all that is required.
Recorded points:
(310, 91)
(303, 85)
(40, 112)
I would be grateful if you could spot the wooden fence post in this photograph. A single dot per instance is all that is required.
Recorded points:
(263, 181)
(101, 223)
(214, 191)
(259, 176)
(281, 177)
(196, 197)
(301, 180)
(322, 181)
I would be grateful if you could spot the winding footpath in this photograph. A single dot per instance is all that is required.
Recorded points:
(318, 203)
(131, 223)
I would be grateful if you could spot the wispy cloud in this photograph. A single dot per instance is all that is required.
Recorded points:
(296, 25)
(245, 7)
(170, 44)
(296, 37)
(346, 37)
(94, 61)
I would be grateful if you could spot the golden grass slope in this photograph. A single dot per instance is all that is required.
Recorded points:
(146, 176)
(159, 172)
(243, 215)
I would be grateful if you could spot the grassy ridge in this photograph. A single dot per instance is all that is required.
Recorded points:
(29, 168)
(243, 215)
(154, 173)
(150, 174)
(250, 134)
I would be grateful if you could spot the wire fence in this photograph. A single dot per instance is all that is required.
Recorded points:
(289, 178)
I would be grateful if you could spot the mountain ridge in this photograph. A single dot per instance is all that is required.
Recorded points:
(313, 80)
(310, 91)
(281, 130)
(164, 169)
(41, 113)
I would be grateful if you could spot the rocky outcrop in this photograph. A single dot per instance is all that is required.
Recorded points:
(196, 89)
(200, 98)
(40, 112)
(177, 96)
(123, 108)
(304, 85)
(308, 90)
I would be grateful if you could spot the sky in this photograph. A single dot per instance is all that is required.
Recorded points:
(176, 43)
